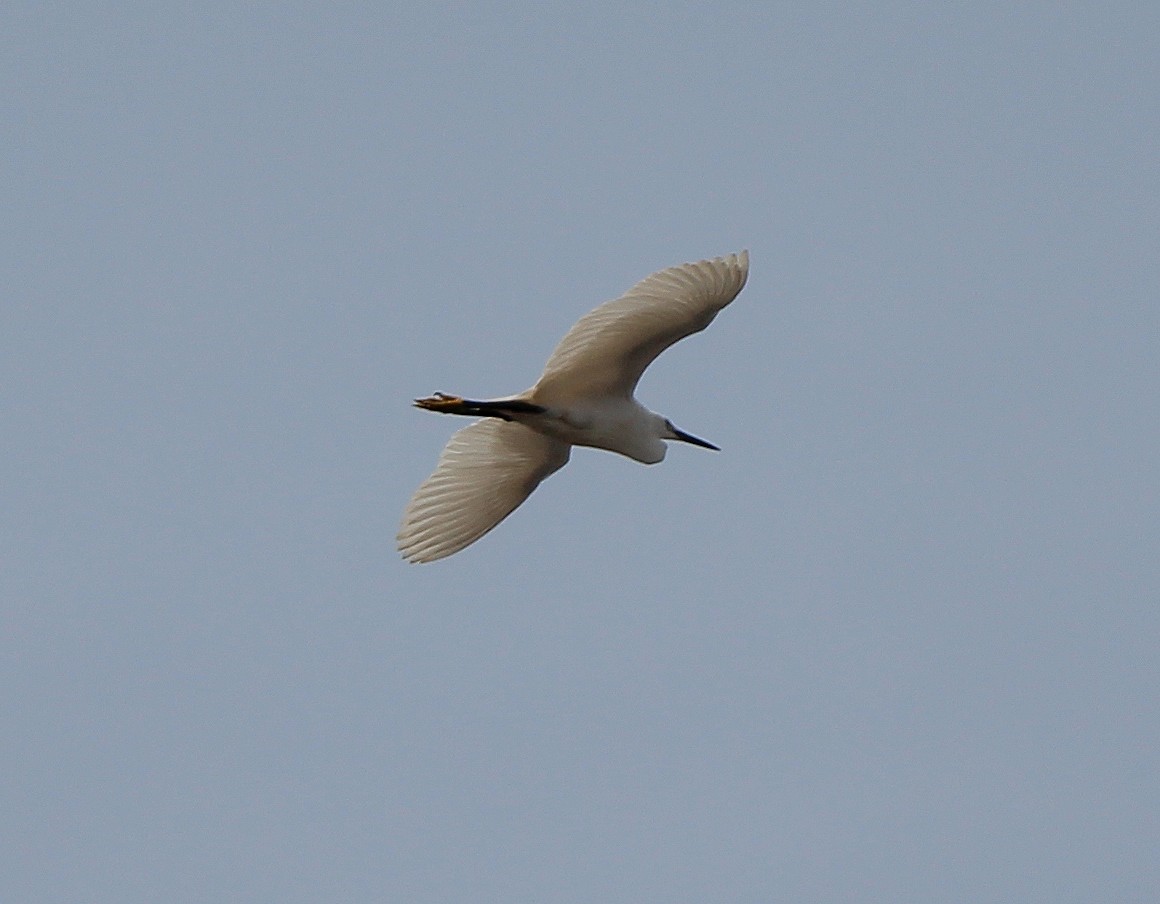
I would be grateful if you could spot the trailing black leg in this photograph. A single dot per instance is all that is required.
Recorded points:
(503, 408)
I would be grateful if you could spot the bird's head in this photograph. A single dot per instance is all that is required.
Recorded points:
(671, 432)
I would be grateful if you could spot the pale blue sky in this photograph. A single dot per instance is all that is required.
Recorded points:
(897, 642)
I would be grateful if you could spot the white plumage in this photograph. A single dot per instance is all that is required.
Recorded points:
(484, 473)
(584, 398)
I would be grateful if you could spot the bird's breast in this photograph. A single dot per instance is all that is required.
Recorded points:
(613, 428)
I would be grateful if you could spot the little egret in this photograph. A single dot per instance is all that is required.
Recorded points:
(583, 398)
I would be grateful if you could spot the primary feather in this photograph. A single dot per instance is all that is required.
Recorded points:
(609, 348)
(486, 470)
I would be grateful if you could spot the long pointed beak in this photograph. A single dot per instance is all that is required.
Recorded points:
(695, 440)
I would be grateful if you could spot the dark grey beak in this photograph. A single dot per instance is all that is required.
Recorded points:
(695, 440)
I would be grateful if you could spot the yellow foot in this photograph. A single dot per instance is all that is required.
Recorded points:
(448, 404)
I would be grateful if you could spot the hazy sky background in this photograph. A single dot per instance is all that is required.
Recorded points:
(898, 642)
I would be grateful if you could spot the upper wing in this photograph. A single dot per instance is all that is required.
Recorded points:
(609, 348)
(486, 470)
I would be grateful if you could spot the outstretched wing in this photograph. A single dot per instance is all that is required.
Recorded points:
(486, 470)
(609, 348)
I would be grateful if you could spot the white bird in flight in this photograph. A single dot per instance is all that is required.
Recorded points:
(583, 398)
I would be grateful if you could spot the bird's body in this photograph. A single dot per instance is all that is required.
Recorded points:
(615, 424)
(583, 398)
